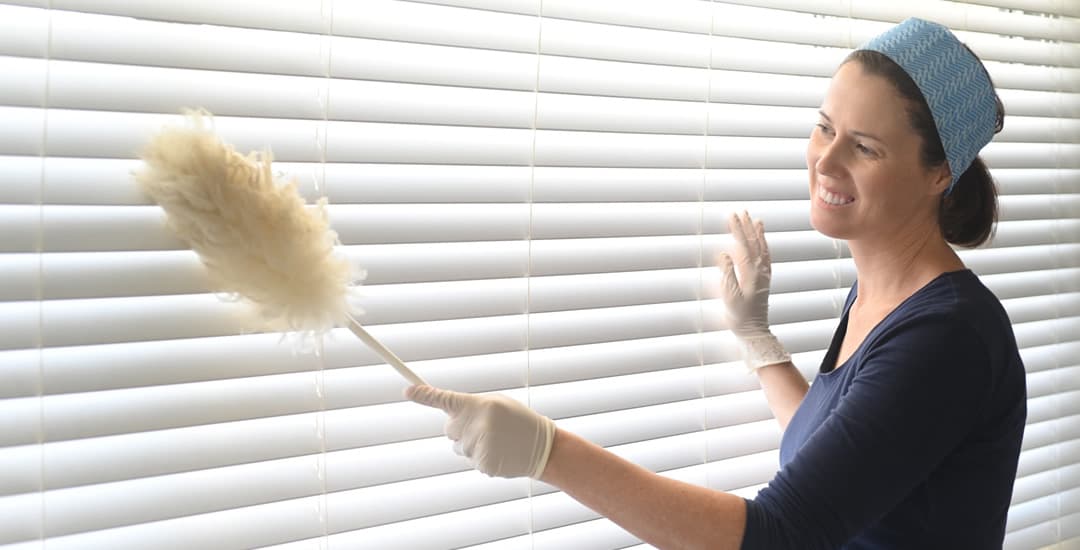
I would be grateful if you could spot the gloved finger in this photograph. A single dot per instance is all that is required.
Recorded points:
(449, 401)
(738, 252)
(741, 230)
(454, 427)
(743, 254)
(766, 259)
(729, 283)
(484, 457)
(750, 236)
(732, 221)
(468, 442)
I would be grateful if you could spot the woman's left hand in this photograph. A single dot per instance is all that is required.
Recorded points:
(746, 274)
(500, 436)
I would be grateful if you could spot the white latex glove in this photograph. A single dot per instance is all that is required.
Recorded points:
(745, 276)
(500, 436)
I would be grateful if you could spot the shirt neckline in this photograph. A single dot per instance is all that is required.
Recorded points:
(838, 337)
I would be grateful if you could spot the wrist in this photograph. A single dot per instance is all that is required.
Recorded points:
(549, 472)
(761, 349)
(546, 440)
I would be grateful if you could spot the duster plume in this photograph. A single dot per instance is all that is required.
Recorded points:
(253, 232)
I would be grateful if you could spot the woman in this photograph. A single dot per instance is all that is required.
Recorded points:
(910, 435)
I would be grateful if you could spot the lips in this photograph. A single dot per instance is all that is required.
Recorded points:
(834, 199)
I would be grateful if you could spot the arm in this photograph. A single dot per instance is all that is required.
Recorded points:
(745, 277)
(664, 512)
(915, 396)
(502, 437)
(784, 388)
(910, 403)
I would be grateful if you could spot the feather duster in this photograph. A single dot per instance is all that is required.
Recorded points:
(254, 233)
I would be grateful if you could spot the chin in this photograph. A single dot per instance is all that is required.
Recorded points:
(831, 228)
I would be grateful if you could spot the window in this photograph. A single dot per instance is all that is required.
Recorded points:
(536, 189)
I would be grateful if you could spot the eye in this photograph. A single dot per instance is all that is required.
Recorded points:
(865, 150)
(824, 129)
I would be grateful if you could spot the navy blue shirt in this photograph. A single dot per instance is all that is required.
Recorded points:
(913, 442)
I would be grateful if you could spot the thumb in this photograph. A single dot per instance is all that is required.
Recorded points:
(449, 401)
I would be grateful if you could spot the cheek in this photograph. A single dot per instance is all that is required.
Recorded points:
(814, 147)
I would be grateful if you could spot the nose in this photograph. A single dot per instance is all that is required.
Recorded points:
(830, 158)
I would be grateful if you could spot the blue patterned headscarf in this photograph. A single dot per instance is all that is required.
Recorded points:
(953, 82)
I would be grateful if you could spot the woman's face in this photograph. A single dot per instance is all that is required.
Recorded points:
(867, 181)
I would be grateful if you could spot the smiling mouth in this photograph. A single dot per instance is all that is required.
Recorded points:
(833, 199)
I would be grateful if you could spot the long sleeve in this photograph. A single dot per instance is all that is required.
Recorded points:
(916, 392)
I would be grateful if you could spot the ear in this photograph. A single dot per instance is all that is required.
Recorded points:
(940, 178)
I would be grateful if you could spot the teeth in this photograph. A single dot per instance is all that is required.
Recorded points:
(832, 198)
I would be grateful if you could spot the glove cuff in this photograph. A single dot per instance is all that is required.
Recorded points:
(546, 436)
(761, 350)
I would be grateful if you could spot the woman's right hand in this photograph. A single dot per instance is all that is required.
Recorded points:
(498, 435)
(745, 276)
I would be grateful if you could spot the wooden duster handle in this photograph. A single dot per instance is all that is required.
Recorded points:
(385, 353)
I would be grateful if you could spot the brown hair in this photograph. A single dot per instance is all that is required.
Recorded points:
(966, 215)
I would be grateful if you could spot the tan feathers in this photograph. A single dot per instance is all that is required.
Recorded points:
(254, 234)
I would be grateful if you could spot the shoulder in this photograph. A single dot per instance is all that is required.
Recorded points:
(954, 308)
(953, 330)
(927, 338)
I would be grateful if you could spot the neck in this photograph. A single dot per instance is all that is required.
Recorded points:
(892, 269)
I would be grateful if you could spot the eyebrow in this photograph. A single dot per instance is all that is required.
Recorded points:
(855, 132)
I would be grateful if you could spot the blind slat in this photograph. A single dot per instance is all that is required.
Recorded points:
(427, 22)
(126, 319)
(1051, 381)
(142, 89)
(953, 14)
(299, 140)
(275, 14)
(92, 37)
(247, 527)
(23, 183)
(165, 497)
(146, 454)
(25, 85)
(24, 31)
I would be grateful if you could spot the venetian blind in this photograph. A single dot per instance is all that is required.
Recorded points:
(536, 189)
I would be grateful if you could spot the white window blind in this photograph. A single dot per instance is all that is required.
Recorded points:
(536, 189)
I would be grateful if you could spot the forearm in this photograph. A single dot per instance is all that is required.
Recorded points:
(784, 388)
(666, 513)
